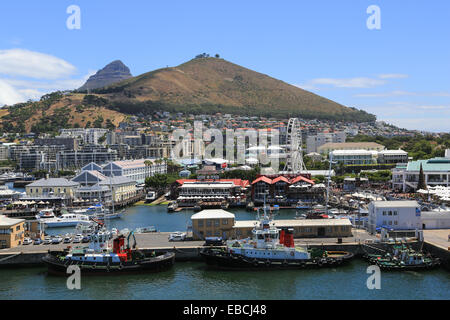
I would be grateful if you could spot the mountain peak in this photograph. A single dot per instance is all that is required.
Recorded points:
(113, 72)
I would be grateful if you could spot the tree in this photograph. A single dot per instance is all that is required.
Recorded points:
(159, 182)
(421, 184)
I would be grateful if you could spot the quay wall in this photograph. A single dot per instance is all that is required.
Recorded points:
(440, 252)
(24, 259)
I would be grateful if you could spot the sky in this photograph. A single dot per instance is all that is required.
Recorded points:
(399, 71)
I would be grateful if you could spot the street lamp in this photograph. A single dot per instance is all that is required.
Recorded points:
(330, 158)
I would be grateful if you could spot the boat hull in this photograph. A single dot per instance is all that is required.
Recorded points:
(154, 264)
(224, 260)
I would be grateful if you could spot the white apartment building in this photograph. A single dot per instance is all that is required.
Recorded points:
(313, 142)
(355, 156)
(88, 135)
(397, 215)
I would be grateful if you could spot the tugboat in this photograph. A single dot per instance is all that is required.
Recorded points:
(403, 258)
(270, 248)
(99, 259)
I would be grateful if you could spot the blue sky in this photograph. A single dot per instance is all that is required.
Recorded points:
(399, 72)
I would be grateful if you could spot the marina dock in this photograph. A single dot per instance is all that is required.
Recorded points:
(31, 255)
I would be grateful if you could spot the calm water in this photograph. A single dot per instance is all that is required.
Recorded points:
(189, 280)
(192, 280)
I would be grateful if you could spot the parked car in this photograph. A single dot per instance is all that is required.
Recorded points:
(177, 236)
(213, 241)
(57, 240)
(78, 238)
(86, 239)
(27, 241)
(47, 240)
(37, 241)
(68, 239)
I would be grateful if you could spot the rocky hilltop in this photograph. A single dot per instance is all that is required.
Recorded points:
(114, 72)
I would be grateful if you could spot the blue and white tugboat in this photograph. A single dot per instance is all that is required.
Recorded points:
(271, 248)
(98, 258)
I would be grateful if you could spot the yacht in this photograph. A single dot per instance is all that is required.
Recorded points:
(45, 214)
(151, 196)
(67, 220)
(102, 213)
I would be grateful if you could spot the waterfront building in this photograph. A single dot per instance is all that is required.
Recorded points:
(212, 223)
(405, 177)
(95, 185)
(12, 232)
(136, 170)
(306, 228)
(286, 188)
(58, 187)
(435, 219)
(396, 215)
(369, 146)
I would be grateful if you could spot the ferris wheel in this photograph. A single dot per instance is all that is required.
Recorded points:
(294, 161)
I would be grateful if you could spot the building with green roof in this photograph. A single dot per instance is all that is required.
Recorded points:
(436, 172)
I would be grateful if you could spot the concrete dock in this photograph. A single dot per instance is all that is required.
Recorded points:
(360, 243)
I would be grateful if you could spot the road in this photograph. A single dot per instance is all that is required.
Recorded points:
(160, 240)
(438, 237)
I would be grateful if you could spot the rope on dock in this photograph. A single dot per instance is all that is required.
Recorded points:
(11, 256)
(375, 248)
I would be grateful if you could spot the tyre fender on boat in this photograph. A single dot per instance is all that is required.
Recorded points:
(319, 263)
(120, 267)
(285, 263)
(268, 263)
(255, 262)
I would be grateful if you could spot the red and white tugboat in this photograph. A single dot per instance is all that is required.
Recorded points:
(270, 247)
(99, 259)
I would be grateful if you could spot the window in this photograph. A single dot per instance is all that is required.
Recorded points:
(390, 213)
(224, 221)
(390, 223)
(208, 223)
(395, 222)
(200, 223)
(395, 213)
(17, 228)
(217, 222)
(384, 213)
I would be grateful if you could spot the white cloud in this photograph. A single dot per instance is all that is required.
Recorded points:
(361, 82)
(393, 76)
(25, 63)
(8, 94)
(385, 94)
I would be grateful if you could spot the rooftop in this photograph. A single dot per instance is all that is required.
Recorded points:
(296, 223)
(395, 203)
(52, 182)
(213, 214)
(8, 222)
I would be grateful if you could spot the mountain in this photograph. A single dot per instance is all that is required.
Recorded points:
(209, 85)
(114, 72)
(199, 86)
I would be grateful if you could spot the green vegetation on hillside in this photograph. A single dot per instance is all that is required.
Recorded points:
(418, 147)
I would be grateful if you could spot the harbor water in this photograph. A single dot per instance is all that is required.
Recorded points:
(194, 280)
